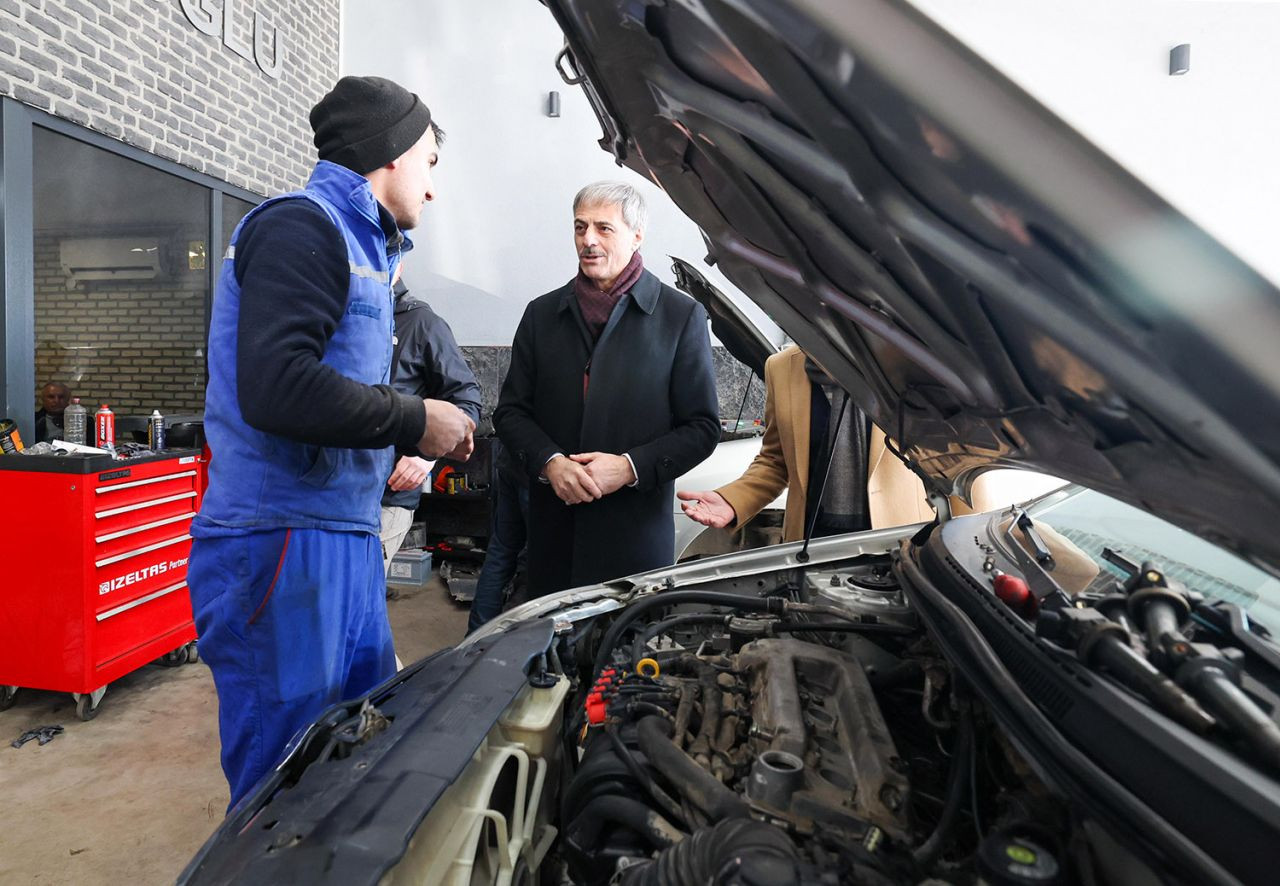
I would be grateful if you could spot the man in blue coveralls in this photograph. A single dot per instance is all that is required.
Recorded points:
(286, 568)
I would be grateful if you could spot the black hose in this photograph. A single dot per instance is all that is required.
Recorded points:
(669, 805)
(682, 772)
(660, 628)
(648, 707)
(850, 627)
(906, 671)
(675, 598)
(957, 784)
(613, 809)
(738, 850)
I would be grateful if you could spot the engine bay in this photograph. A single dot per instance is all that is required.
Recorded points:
(817, 730)
(808, 734)
(949, 707)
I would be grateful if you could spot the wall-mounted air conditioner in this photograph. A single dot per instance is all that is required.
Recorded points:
(110, 258)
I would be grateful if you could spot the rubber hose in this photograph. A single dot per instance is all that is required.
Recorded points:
(845, 627)
(675, 598)
(907, 671)
(697, 784)
(736, 851)
(585, 830)
(663, 799)
(957, 783)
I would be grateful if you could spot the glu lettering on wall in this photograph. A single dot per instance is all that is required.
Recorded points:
(218, 22)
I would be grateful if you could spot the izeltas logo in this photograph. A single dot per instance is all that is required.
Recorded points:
(138, 575)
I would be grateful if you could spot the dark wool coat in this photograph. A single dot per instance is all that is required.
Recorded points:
(651, 395)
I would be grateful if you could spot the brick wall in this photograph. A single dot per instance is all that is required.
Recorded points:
(138, 345)
(139, 71)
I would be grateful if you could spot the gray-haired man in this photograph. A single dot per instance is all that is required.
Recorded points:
(610, 397)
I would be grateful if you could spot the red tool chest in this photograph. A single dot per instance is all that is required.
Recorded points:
(94, 553)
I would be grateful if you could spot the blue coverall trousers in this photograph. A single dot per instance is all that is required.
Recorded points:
(290, 622)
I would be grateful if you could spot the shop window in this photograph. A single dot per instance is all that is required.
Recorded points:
(121, 279)
(233, 209)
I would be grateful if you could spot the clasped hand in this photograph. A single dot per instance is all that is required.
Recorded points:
(587, 476)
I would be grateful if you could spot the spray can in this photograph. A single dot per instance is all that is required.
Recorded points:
(10, 439)
(104, 428)
(155, 431)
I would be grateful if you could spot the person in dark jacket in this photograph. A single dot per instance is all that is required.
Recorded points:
(610, 396)
(504, 555)
(55, 397)
(286, 579)
(426, 362)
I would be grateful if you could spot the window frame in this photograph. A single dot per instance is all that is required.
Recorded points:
(17, 240)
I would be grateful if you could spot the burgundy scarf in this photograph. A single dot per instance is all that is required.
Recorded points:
(597, 306)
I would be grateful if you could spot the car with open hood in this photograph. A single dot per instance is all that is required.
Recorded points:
(1081, 689)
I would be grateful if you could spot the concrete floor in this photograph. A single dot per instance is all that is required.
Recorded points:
(130, 796)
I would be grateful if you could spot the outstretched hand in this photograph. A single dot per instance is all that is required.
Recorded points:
(708, 508)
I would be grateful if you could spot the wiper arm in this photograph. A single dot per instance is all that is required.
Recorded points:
(1042, 553)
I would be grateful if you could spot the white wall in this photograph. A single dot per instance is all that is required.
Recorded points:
(500, 231)
(1207, 141)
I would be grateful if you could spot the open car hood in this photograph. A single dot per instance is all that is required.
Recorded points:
(735, 330)
(990, 287)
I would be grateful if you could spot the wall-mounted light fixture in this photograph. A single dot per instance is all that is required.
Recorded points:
(1180, 59)
(553, 104)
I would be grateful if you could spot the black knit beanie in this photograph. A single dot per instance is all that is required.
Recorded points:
(366, 122)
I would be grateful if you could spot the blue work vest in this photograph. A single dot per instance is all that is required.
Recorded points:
(263, 481)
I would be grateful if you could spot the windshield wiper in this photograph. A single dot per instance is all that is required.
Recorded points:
(1042, 553)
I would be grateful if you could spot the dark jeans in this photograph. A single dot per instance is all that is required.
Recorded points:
(505, 552)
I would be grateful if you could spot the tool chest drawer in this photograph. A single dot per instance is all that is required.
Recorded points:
(97, 550)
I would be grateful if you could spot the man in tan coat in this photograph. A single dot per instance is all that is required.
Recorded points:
(894, 495)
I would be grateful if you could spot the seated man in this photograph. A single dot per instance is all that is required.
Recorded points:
(54, 398)
(808, 422)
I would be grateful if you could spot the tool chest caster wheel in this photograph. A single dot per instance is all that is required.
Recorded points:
(174, 658)
(7, 696)
(184, 654)
(89, 703)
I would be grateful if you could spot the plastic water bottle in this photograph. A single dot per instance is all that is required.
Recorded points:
(75, 422)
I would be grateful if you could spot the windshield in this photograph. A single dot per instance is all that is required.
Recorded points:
(1094, 521)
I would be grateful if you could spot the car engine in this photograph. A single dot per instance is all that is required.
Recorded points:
(933, 709)
(808, 733)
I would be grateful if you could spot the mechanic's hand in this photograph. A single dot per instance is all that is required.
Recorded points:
(448, 428)
(611, 472)
(708, 508)
(410, 473)
(571, 482)
(463, 450)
